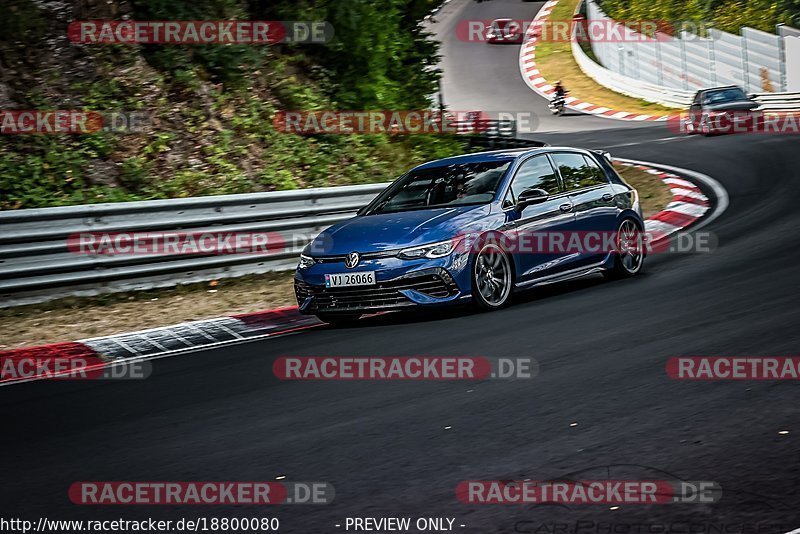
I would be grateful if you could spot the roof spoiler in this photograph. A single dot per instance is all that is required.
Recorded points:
(605, 154)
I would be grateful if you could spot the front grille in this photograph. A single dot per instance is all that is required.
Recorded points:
(383, 295)
(364, 256)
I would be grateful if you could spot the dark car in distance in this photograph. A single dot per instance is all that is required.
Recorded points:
(504, 31)
(721, 110)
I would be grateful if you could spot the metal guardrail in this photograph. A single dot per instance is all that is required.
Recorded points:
(778, 101)
(666, 96)
(36, 264)
(690, 57)
(486, 127)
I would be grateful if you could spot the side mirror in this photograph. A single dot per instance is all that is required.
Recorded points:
(531, 196)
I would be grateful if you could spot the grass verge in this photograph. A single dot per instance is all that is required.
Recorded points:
(555, 62)
(78, 318)
(75, 318)
(653, 193)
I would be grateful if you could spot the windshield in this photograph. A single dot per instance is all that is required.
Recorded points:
(725, 95)
(449, 185)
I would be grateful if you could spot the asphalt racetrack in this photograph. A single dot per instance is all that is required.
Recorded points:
(400, 448)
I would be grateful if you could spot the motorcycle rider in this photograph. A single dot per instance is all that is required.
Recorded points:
(561, 91)
(557, 103)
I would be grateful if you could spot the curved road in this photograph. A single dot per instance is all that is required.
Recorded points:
(486, 77)
(400, 449)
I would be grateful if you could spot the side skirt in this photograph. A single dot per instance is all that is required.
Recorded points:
(561, 277)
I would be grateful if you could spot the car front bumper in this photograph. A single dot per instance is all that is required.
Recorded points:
(399, 285)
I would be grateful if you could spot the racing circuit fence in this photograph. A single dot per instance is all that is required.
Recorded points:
(670, 69)
(676, 98)
(38, 260)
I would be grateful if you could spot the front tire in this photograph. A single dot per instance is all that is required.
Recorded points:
(339, 319)
(492, 278)
(629, 256)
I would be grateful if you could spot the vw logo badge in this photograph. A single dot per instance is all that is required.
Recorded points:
(351, 260)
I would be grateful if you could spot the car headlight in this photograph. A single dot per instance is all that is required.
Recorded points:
(431, 251)
(306, 262)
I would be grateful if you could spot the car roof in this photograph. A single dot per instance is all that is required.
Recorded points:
(494, 155)
(720, 88)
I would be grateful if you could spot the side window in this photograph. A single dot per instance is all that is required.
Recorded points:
(576, 171)
(535, 172)
(598, 175)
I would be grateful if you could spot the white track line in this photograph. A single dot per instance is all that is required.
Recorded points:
(722, 203)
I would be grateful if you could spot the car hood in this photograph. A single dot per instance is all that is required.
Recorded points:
(389, 231)
(738, 105)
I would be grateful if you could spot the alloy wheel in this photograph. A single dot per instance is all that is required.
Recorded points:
(630, 247)
(492, 276)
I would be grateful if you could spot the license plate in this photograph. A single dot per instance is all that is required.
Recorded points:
(366, 278)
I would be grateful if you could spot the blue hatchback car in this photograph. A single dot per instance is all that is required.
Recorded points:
(475, 228)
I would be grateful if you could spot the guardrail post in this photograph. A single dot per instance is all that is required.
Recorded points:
(781, 54)
(659, 65)
(712, 54)
(745, 63)
(684, 64)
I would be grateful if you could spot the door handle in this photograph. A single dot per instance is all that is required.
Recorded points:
(608, 197)
(566, 208)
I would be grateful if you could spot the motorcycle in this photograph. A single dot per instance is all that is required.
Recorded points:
(556, 105)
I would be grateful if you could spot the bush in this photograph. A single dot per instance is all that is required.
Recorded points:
(725, 15)
(213, 105)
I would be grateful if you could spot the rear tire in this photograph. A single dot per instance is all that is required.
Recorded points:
(630, 253)
(339, 319)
